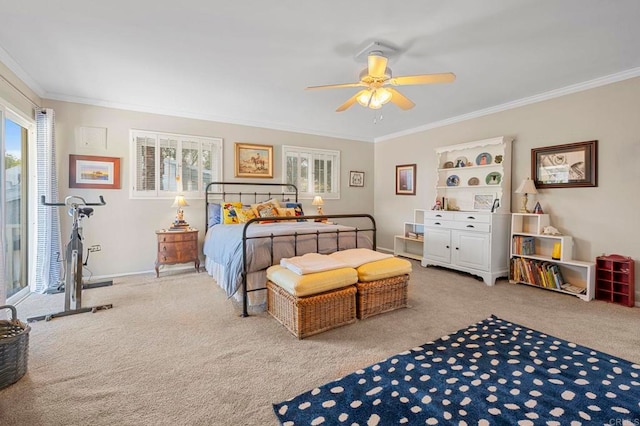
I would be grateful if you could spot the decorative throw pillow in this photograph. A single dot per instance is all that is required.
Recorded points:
(245, 214)
(213, 211)
(267, 206)
(297, 207)
(290, 212)
(229, 216)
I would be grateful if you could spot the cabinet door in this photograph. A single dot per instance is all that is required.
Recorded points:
(471, 249)
(437, 245)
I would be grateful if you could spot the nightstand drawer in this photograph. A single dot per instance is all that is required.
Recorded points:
(182, 249)
(177, 236)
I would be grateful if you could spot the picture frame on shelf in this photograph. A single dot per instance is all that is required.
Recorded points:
(570, 165)
(483, 202)
(356, 178)
(253, 161)
(406, 179)
(94, 172)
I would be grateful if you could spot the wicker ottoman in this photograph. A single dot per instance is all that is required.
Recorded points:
(382, 286)
(307, 313)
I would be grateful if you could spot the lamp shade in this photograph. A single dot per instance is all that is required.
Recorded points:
(179, 201)
(317, 201)
(527, 187)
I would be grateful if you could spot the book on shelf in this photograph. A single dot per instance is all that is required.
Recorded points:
(524, 245)
(536, 272)
(574, 288)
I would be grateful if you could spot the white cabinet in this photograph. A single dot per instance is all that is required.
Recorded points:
(411, 242)
(533, 261)
(471, 176)
(473, 242)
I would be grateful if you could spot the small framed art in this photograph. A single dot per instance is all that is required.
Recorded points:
(254, 161)
(93, 172)
(406, 179)
(356, 178)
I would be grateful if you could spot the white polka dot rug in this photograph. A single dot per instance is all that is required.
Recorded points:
(494, 372)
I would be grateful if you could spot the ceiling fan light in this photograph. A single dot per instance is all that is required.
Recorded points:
(364, 98)
(382, 96)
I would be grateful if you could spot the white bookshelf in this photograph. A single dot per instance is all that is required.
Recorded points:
(410, 243)
(577, 273)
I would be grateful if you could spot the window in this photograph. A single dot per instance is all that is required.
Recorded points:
(167, 164)
(313, 171)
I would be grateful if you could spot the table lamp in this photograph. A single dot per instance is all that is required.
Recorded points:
(526, 187)
(318, 201)
(179, 202)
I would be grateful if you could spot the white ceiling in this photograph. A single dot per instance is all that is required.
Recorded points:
(249, 61)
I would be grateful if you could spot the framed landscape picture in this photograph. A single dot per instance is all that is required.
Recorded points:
(93, 172)
(406, 179)
(254, 161)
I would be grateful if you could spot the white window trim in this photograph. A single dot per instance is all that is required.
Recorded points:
(336, 170)
(217, 143)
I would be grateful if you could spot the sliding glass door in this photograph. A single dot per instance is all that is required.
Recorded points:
(14, 146)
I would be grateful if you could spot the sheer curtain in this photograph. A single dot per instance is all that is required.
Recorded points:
(48, 218)
(3, 277)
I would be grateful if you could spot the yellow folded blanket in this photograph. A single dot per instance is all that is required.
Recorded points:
(382, 269)
(308, 284)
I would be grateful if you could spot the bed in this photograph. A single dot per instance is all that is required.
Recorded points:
(239, 247)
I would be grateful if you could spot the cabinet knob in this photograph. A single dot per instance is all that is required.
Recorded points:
(164, 239)
(438, 215)
(447, 246)
(471, 217)
(164, 248)
(457, 248)
(470, 226)
(437, 223)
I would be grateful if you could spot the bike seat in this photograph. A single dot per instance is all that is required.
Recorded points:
(85, 211)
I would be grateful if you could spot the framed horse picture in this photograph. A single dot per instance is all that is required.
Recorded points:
(254, 161)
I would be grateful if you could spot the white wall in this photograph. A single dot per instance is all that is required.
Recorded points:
(125, 227)
(601, 220)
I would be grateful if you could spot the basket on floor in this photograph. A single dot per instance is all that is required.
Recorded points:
(14, 348)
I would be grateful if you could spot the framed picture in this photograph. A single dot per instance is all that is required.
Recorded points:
(254, 161)
(406, 179)
(88, 171)
(356, 178)
(565, 166)
(483, 202)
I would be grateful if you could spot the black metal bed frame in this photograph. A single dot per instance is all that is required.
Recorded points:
(222, 193)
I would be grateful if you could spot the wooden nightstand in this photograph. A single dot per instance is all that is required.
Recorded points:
(177, 247)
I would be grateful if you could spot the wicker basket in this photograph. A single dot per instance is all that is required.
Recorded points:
(305, 316)
(14, 348)
(376, 297)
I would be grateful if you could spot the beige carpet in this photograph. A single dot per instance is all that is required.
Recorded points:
(173, 350)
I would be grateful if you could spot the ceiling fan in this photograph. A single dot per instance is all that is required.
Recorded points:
(377, 80)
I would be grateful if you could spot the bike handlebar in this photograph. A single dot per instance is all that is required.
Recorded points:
(71, 197)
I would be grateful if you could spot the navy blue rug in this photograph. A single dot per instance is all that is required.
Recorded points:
(493, 372)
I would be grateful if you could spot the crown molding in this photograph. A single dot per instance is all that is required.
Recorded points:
(574, 88)
(15, 68)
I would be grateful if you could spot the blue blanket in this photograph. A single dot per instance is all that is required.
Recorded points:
(493, 372)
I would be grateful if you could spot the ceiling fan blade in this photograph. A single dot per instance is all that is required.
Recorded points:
(352, 100)
(399, 99)
(446, 77)
(377, 65)
(335, 86)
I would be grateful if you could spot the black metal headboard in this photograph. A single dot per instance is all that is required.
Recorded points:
(232, 191)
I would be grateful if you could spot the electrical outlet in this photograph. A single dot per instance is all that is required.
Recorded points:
(96, 247)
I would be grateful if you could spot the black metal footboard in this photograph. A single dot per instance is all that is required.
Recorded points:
(368, 229)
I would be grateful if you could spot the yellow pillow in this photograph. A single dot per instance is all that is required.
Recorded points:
(245, 214)
(272, 203)
(229, 215)
(288, 212)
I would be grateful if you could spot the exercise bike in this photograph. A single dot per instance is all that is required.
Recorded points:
(72, 282)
